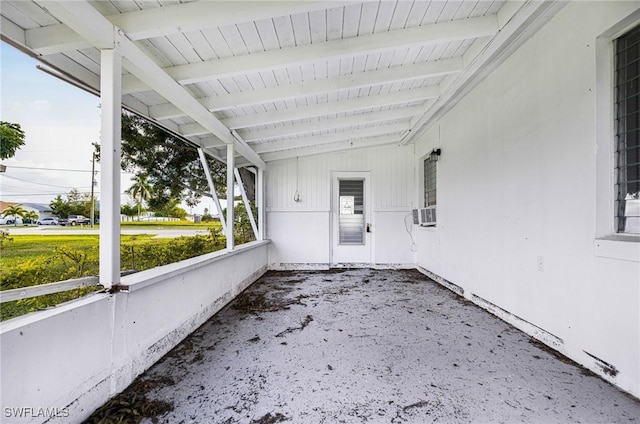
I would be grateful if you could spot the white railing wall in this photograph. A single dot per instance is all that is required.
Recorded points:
(73, 358)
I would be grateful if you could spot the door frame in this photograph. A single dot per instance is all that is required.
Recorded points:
(336, 176)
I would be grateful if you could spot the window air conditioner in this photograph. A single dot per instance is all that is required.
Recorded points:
(416, 217)
(427, 216)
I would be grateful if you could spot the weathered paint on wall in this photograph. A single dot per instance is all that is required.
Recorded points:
(517, 198)
(301, 231)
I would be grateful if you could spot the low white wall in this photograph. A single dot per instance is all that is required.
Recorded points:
(518, 199)
(73, 358)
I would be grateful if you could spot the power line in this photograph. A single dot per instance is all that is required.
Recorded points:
(38, 168)
(47, 194)
(43, 184)
(47, 169)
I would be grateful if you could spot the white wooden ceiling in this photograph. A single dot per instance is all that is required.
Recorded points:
(289, 78)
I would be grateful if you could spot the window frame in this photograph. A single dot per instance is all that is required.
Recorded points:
(426, 191)
(622, 117)
(608, 243)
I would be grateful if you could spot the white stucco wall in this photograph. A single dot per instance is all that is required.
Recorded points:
(301, 231)
(517, 198)
(73, 358)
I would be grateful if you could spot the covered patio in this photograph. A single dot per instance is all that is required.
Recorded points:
(360, 345)
(493, 146)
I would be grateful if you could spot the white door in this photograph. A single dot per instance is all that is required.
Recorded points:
(351, 219)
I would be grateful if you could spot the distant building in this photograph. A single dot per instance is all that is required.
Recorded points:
(43, 211)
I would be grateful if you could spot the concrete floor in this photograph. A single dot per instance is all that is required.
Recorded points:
(371, 346)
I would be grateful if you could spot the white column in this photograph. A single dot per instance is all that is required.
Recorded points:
(230, 180)
(110, 98)
(260, 204)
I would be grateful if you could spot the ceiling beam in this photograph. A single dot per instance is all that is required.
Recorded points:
(364, 44)
(275, 146)
(12, 32)
(90, 24)
(329, 108)
(189, 130)
(333, 147)
(330, 124)
(316, 87)
(172, 19)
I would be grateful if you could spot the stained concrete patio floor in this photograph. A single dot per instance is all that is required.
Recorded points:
(377, 346)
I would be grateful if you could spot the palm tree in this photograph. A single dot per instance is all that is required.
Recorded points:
(15, 211)
(31, 216)
(140, 190)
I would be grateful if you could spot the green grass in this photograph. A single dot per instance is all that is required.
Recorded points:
(28, 260)
(25, 247)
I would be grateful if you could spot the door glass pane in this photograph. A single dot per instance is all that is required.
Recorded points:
(351, 218)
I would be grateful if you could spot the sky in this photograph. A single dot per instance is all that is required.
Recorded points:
(60, 122)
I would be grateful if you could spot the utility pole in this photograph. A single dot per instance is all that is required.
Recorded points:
(93, 184)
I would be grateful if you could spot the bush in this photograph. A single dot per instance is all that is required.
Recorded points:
(51, 258)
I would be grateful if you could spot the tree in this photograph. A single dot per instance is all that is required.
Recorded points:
(15, 211)
(128, 210)
(172, 167)
(30, 216)
(140, 190)
(11, 139)
(76, 203)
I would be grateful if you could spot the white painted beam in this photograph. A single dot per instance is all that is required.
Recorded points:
(297, 143)
(230, 185)
(172, 19)
(330, 124)
(333, 147)
(12, 31)
(260, 204)
(316, 87)
(212, 188)
(247, 205)
(110, 135)
(329, 108)
(54, 39)
(89, 23)
(364, 44)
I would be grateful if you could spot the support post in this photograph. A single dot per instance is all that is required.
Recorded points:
(260, 204)
(245, 200)
(110, 98)
(212, 187)
(230, 217)
(92, 210)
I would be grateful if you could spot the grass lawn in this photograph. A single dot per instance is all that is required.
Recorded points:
(29, 260)
(25, 247)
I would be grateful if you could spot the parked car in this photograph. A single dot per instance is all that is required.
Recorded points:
(63, 221)
(10, 221)
(47, 221)
(78, 219)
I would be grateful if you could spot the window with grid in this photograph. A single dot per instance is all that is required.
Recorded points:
(626, 132)
(429, 182)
